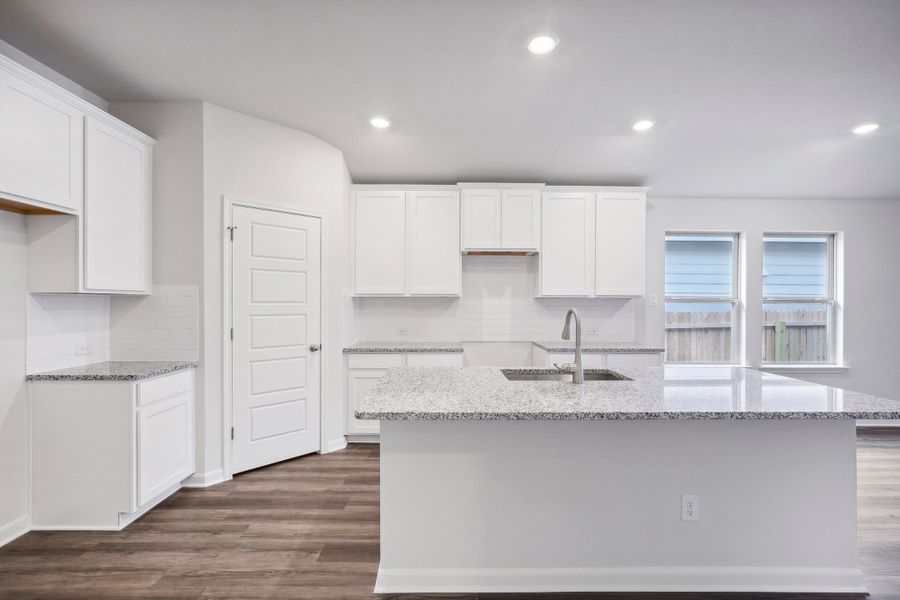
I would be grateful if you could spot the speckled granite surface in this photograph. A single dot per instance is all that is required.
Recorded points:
(483, 393)
(116, 370)
(392, 347)
(599, 347)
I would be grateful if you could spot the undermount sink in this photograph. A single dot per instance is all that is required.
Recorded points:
(553, 375)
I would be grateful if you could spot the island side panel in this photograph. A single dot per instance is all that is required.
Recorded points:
(518, 506)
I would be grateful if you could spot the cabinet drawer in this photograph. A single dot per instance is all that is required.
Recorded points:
(617, 360)
(375, 361)
(434, 360)
(164, 386)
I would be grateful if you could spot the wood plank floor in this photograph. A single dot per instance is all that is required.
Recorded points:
(308, 529)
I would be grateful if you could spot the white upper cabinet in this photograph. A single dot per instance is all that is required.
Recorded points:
(482, 214)
(434, 257)
(116, 210)
(380, 243)
(621, 240)
(406, 243)
(501, 219)
(41, 147)
(567, 244)
(521, 219)
(594, 244)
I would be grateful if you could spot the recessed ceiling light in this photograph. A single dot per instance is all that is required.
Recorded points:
(643, 125)
(865, 128)
(379, 123)
(542, 44)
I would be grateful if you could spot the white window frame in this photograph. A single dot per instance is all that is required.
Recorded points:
(736, 299)
(833, 299)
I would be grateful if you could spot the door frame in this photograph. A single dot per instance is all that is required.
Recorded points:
(228, 204)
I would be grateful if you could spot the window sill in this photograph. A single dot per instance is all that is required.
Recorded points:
(801, 368)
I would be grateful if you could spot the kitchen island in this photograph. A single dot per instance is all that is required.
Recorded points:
(673, 479)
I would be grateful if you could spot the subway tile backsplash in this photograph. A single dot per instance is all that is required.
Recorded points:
(67, 330)
(497, 304)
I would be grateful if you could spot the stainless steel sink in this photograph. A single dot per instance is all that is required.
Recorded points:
(554, 375)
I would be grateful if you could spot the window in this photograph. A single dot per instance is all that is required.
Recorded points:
(798, 298)
(701, 298)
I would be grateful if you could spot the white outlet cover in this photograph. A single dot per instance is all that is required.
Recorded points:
(690, 507)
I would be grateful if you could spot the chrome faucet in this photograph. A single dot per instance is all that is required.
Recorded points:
(576, 368)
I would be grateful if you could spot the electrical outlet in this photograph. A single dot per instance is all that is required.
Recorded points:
(83, 349)
(402, 331)
(690, 507)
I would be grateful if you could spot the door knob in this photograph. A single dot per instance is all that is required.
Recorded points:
(314, 347)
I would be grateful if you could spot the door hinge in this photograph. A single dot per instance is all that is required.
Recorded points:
(231, 334)
(231, 232)
(232, 433)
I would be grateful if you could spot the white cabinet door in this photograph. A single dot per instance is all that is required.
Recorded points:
(520, 216)
(482, 215)
(567, 244)
(433, 246)
(360, 383)
(116, 210)
(380, 243)
(621, 244)
(165, 445)
(619, 360)
(41, 146)
(435, 359)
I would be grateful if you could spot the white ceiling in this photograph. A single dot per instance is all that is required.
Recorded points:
(751, 98)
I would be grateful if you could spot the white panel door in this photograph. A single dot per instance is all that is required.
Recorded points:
(116, 210)
(41, 145)
(380, 243)
(276, 315)
(482, 215)
(621, 244)
(521, 214)
(567, 244)
(433, 243)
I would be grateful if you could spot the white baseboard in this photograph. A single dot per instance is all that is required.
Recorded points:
(14, 529)
(649, 579)
(364, 438)
(203, 480)
(335, 445)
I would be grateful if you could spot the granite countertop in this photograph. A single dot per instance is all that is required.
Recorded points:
(116, 370)
(391, 347)
(599, 347)
(674, 392)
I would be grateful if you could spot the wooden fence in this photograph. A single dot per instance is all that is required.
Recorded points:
(788, 336)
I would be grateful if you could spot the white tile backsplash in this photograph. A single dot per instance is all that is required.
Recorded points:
(66, 331)
(497, 304)
(163, 326)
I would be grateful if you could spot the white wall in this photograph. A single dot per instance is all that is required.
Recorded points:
(871, 273)
(255, 159)
(497, 304)
(13, 408)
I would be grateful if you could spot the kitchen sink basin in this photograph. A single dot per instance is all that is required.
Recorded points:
(554, 375)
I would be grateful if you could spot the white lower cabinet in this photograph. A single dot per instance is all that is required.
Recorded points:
(598, 360)
(105, 452)
(365, 370)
